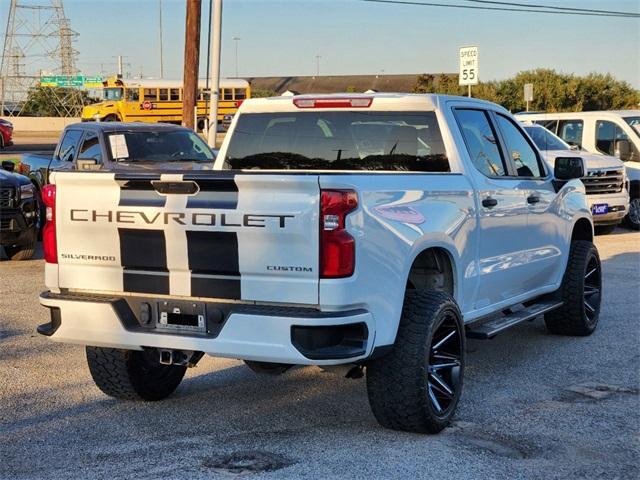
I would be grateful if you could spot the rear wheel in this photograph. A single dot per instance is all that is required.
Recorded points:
(632, 220)
(26, 251)
(133, 374)
(581, 292)
(417, 386)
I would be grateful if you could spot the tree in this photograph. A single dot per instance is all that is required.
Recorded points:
(552, 91)
(55, 102)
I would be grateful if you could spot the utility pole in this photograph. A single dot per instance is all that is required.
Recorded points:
(236, 39)
(191, 59)
(318, 57)
(161, 59)
(215, 20)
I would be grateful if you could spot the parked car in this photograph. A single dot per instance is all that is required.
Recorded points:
(360, 232)
(18, 214)
(120, 146)
(605, 181)
(614, 132)
(6, 133)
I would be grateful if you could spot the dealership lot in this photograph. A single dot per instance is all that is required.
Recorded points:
(535, 406)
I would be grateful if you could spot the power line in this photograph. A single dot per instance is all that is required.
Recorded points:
(555, 7)
(501, 9)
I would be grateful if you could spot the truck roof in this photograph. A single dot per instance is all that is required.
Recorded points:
(379, 101)
(120, 126)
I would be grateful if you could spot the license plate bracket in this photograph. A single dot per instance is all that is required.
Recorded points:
(182, 317)
(600, 209)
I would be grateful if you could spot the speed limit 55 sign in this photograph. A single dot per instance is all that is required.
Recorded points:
(468, 73)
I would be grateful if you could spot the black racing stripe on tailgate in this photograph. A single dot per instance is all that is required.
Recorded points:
(146, 282)
(215, 193)
(139, 192)
(211, 287)
(213, 253)
(143, 249)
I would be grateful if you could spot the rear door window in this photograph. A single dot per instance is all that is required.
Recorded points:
(338, 140)
(481, 142)
(90, 148)
(571, 131)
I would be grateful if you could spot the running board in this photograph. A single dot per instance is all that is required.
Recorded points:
(495, 326)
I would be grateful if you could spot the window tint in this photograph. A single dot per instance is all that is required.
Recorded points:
(481, 142)
(91, 148)
(150, 94)
(607, 133)
(68, 146)
(133, 95)
(519, 149)
(338, 140)
(571, 131)
(550, 125)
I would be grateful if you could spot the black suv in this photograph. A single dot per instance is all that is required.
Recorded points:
(19, 214)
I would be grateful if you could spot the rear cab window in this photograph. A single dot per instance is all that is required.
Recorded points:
(338, 140)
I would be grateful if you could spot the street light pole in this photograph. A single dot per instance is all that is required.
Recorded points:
(161, 59)
(236, 39)
(318, 57)
(216, 30)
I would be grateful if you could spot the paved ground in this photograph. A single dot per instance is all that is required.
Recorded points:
(519, 418)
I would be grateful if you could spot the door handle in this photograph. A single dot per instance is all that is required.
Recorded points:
(532, 199)
(489, 202)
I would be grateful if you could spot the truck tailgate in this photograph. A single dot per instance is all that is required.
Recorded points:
(209, 234)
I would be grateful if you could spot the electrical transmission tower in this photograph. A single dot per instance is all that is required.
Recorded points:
(38, 41)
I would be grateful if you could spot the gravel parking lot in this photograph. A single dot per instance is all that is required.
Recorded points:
(534, 406)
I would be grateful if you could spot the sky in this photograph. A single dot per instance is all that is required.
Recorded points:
(283, 38)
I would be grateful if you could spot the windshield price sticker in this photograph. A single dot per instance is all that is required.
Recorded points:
(469, 66)
(118, 146)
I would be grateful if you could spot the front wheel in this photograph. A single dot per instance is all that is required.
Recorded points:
(133, 374)
(417, 386)
(581, 292)
(632, 220)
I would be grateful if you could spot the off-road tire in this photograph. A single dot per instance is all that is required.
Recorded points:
(632, 220)
(398, 383)
(133, 374)
(23, 252)
(573, 318)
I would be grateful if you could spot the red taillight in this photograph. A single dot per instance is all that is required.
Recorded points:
(357, 102)
(337, 247)
(238, 103)
(49, 241)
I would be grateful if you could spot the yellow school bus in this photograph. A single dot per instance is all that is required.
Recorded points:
(132, 100)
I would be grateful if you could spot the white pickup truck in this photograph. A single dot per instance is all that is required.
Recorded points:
(369, 232)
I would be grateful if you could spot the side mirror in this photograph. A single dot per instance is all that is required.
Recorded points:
(8, 165)
(568, 168)
(623, 149)
(87, 164)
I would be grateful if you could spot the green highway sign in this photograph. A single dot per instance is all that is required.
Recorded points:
(77, 81)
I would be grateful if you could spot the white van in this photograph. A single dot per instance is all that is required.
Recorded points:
(613, 132)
